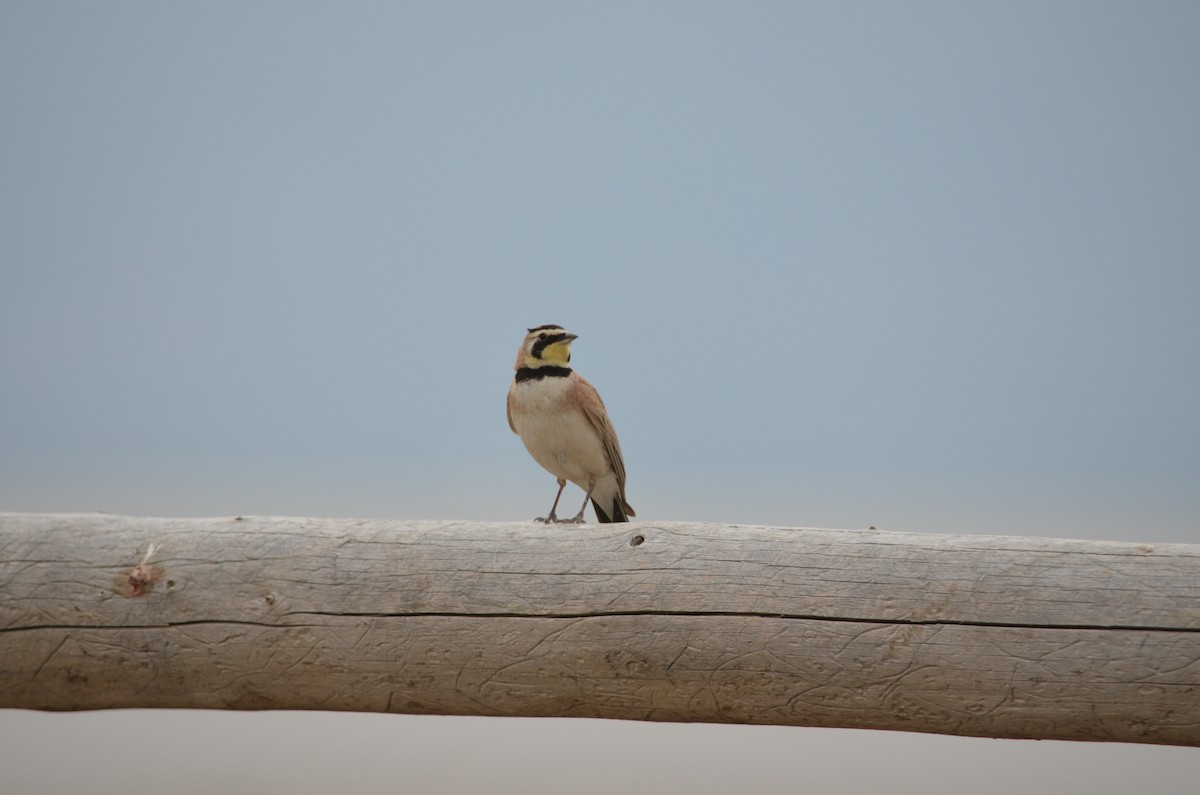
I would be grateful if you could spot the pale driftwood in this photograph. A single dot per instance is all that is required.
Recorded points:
(973, 635)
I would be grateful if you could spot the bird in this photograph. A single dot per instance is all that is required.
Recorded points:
(565, 427)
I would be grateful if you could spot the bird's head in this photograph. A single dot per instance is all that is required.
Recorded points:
(545, 346)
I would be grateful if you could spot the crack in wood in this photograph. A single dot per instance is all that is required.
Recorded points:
(753, 614)
(566, 616)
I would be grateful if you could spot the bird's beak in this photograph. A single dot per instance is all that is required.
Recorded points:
(571, 337)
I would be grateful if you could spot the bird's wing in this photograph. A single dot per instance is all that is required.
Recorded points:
(589, 402)
(510, 405)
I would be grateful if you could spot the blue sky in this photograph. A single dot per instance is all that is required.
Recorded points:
(928, 267)
(925, 266)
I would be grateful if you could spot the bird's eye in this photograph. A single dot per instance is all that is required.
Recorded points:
(542, 336)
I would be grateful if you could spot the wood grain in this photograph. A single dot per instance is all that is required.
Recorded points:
(973, 635)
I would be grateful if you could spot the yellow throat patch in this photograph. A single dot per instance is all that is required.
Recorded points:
(558, 353)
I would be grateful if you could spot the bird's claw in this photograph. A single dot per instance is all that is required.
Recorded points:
(552, 519)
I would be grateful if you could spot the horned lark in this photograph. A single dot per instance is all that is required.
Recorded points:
(562, 421)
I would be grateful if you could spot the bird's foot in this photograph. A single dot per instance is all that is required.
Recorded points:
(577, 519)
(551, 519)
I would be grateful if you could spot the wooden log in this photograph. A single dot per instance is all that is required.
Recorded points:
(971, 635)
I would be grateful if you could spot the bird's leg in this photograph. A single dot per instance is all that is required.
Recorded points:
(553, 517)
(579, 516)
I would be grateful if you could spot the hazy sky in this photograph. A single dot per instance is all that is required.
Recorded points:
(924, 266)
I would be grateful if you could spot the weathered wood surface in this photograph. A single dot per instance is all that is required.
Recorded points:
(973, 635)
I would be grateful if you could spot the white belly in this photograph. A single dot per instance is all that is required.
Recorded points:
(561, 440)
